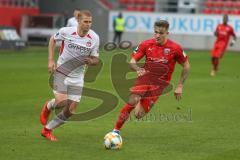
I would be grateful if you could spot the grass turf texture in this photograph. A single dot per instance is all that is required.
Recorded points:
(212, 134)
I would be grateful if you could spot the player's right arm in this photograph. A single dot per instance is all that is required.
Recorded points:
(59, 36)
(51, 61)
(133, 64)
(138, 53)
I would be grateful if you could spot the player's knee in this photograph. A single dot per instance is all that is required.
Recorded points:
(73, 108)
(139, 115)
(60, 103)
(133, 100)
(139, 112)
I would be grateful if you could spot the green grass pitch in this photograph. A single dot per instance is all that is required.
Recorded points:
(206, 127)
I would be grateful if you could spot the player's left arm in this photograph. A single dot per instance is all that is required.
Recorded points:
(182, 59)
(91, 60)
(183, 77)
(233, 41)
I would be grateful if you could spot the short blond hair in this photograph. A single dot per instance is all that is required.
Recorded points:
(84, 13)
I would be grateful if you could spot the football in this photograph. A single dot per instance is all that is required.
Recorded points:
(112, 140)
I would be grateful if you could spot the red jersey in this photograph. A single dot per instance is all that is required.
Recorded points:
(224, 32)
(166, 55)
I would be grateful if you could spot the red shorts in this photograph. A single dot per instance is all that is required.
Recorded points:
(148, 103)
(219, 49)
(149, 88)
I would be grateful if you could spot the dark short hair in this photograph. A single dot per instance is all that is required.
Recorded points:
(162, 23)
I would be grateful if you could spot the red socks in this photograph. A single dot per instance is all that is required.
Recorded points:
(123, 116)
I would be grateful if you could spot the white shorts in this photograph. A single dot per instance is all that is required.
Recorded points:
(71, 86)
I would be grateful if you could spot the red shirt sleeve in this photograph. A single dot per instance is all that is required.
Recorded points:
(139, 52)
(181, 57)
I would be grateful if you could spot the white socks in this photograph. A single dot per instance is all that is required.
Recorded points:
(50, 105)
(57, 121)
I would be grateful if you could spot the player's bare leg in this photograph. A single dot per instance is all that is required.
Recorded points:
(215, 63)
(139, 111)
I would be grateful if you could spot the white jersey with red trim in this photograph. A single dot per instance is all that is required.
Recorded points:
(73, 48)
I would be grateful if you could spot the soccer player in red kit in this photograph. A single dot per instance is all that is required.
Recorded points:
(223, 33)
(161, 55)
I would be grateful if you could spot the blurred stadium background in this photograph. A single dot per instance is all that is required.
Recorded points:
(192, 22)
(209, 132)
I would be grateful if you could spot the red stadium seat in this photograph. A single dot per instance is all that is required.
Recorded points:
(207, 11)
(125, 2)
(209, 3)
(107, 4)
(139, 7)
(217, 11)
(234, 12)
(226, 11)
(228, 4)
(139, 2)
(237, 4)
(131, 8)
(218, 3)
(150, 2)
(149, 8)
(4, 2)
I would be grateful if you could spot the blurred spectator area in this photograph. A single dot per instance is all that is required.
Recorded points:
(221, 7)
(137, 5)
(37, 30)
(19, 3)
(182, 6)
(179, 6)
(11, 11)
(130, 5)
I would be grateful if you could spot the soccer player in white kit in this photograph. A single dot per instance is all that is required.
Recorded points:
(80, 47)
(72, 22)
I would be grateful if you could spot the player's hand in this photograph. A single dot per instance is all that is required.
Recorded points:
(88, 60)
(141, 72)
(232, 43)
(178, 92)
(51, 66)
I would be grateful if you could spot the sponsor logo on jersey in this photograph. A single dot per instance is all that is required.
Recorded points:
(166, 51)
(79, 48)
(161, 60)
(88, 44)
